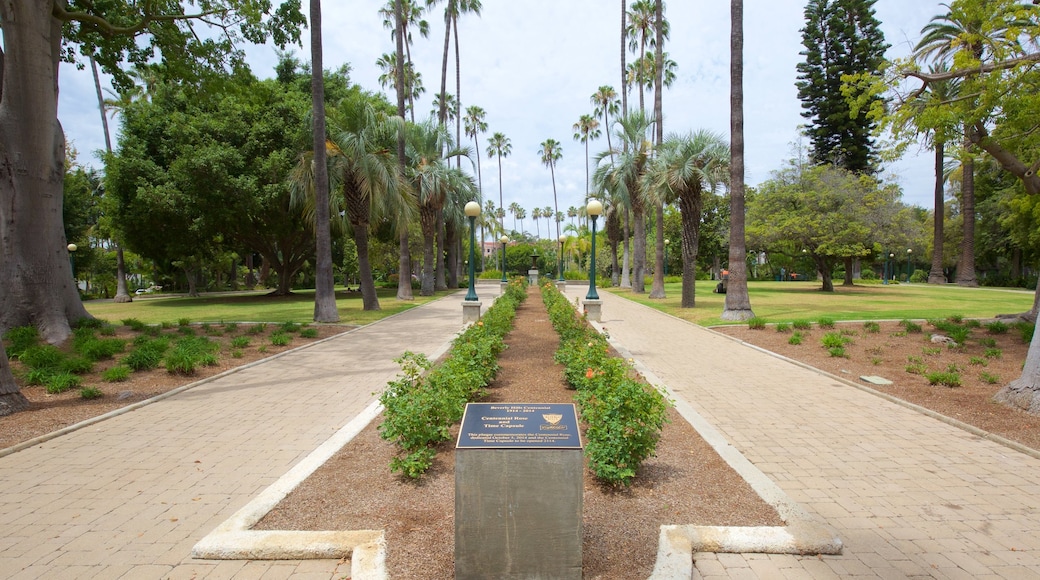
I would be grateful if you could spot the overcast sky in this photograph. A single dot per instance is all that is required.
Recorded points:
(534, 64)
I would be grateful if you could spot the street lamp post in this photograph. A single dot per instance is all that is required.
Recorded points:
(505, 240)
(594, 208)
(666, 240)
(472, 211)
(561, 240)
(892, 266)
(72, 259)
(909, 252)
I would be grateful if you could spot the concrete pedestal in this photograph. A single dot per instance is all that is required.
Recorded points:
(502, 287)
(470, 311)
(561, 285)
(532, 277)
(518, 513)
(593, 309)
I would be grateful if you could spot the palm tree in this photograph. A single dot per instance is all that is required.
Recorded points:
(324, 285)
(586, 129)
(499, 146)
(412, 79)
(551, 153)
(962, 33)
(657, 290)
(641, 35)
(366, 173)
(515, 209)
(436, 185)
(405, 17)
(446, 102)
(621, 181)
(738, 303)
(475, 125)
(452, 10)
(572, 212)
(686, 166)
(404, 259)
(605, 102)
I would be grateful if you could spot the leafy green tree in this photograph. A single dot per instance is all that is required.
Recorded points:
(685, 168)
(38, 34)
(841, 37)
(830, 214)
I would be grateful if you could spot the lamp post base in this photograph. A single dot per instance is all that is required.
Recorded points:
(561, 285)
(470, 312)
(593, 309)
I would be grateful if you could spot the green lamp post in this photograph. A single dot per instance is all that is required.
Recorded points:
(505, 240)
(593, 209)
(561, 240)
(72, 260)
(472, 210)
(909, 252)
(666, 240)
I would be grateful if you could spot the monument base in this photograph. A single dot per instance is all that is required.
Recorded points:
(518, 513)
(470, 311)
(593, 309)
(532, 277)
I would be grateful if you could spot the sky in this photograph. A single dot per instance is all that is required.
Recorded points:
(533, 66)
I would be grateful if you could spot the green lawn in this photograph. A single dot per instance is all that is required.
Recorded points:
(789, 301)
(251, 307)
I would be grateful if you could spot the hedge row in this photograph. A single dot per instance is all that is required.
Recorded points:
(421, 405)
(624, 415)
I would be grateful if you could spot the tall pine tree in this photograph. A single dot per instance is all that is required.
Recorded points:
(840, 37)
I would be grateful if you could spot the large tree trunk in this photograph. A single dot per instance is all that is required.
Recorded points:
(848, 272)
(823, 266)
(690, 209)
(36, 284)
(11, 399)
(440, 254)
(428, 222)
(1024, 392)
(324, 284)
(369, 300)
(122, 293)
(936, 274)
(626, 271)
(638, 246)
(657, 288)
(738, 303)
(451, 242)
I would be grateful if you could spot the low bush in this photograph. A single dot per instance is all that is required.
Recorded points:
(21, 338)
(280, 339)
(147, 354)
(60, 382)
(872, 327)
(90, 393)
(756, 323)
(997, 327)
(189, 353)
(944, 378)
(116, 374)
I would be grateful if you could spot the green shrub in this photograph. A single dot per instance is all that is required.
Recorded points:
(42, 356)
(795, 339)
(838, 352)
(756, 323)
(96, 349)
(987, 342)
(89, 322)
(783, 327)
(309, 333)
(236, 353)
(186, 331)
(916, 368)
(231, 327)
(116, 374)
(21, 338)
(107, 330)
(76, 365)
(189, 353)
(280, 339)
(256, 328)
(993, 353)
(872, 327)
(801, 325)
(910, 326)
(997, 327)
(825, 322)
(147, 355)
(978, 361)
(60, 382)
(166, 325)
(240, 342)
(90, 393)
(956, 318)
(876, 361)
(134, 324)
(289, 326)
(1025, 331)
(38, 376)
(944, 378)
(931, 350)
(835, 340)
(989, 378)
(182, 322)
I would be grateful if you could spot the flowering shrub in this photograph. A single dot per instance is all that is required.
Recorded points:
(421, 405)
(623, 414)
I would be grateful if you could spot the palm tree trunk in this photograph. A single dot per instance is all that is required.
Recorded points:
(442, 111)
(690, 209)
(626, 274)
(638, 247)
(441, 253)
(324, 285)
(738, 303)
(966, 265)
(657, 288)
(458, 88)
(404, 259)
(624, 78)
(936, 275)
(428, 222)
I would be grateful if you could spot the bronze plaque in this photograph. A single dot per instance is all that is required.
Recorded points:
(519, 426)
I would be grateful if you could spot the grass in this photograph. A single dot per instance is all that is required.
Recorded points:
(792, 301)
(242, 307)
